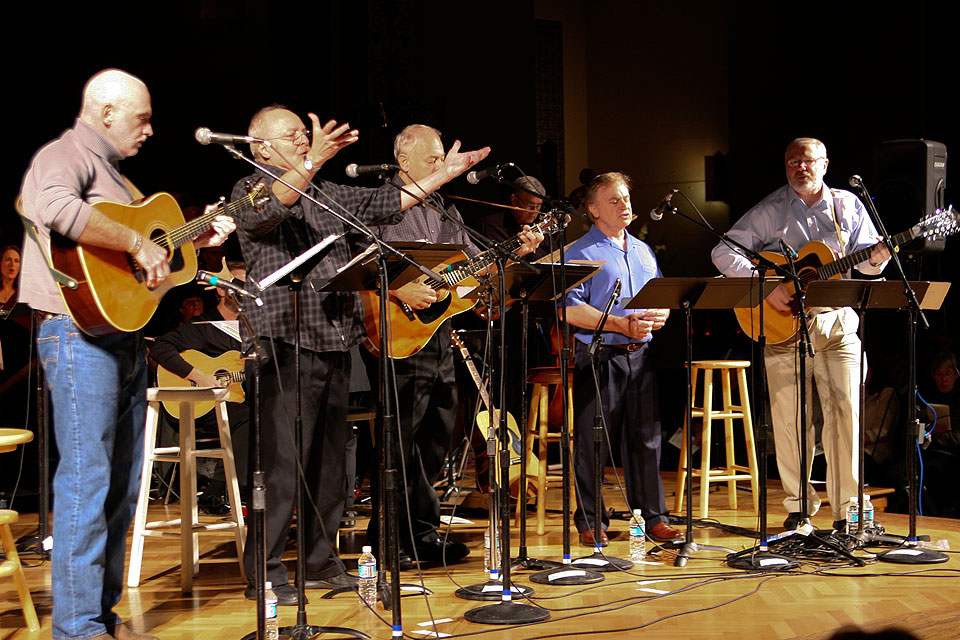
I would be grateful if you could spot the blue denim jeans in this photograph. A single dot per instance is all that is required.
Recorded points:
(99, 409)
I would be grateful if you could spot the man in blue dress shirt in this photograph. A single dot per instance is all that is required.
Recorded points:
(627, 380)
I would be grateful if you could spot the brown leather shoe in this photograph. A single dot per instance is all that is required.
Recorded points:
(587, 540)
(663, 532)
(122, 632)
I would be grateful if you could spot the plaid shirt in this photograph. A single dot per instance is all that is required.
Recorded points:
(274, 236)
(423, 223)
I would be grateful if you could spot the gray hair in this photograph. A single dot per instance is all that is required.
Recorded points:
(408, 137)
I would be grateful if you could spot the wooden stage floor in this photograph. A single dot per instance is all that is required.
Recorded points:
(704, 600)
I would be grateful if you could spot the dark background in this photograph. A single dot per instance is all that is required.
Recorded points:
(555, 87)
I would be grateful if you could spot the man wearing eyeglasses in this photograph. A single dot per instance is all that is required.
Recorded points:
(332, 323)
(802, 211)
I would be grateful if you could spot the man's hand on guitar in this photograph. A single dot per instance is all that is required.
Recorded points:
(879, 255)
(152, 258)
(202, 378)
(220, 227)
(780, 299)
(416, 295)
(530, 239)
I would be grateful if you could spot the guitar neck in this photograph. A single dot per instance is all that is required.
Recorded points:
(846, 263)
(472, 266)
(198, 226)
(472, 368)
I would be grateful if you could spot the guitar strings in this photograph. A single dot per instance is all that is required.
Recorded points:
(191, 230)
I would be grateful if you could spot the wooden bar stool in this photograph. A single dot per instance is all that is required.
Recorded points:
(731, 472)
(186, 454)
(538, 426)
(10, 439)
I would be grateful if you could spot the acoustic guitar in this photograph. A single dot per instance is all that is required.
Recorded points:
(112, 296)
(817, 261)
(483, 422)
(412, 329)
(227, 368)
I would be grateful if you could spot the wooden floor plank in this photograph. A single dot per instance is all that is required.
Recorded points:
(805, 605)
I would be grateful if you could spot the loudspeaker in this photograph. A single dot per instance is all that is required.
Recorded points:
(909, 179)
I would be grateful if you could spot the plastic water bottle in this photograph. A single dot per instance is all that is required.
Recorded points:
(638, 536)
(491, 552)
(867, 512)
(486, 551)
(368, 577)
(853, 515)
(270, 612)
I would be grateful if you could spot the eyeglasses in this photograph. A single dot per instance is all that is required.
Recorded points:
(793, 164)
(294, 136)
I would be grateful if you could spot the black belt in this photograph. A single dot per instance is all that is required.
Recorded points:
(631, 346)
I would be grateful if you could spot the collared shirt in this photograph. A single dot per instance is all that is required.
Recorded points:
(277, 234)
(64, 178)
(635, 266)
(784, 215)
(421, 223)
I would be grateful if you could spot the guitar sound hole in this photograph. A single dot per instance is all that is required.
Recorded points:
(176, 259)
(434, 311)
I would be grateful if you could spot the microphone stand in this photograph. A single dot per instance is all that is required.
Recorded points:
(597, 561)
(916, 555)
(566, 574)
(550, 571)
(757, 558)
(302, 629)
(506, 611)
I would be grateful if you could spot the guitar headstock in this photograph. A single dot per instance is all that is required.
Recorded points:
(258, 194)
(550, 223)
(940, 224)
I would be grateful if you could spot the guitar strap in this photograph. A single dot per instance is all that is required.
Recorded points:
(136, 193)
(836, 220)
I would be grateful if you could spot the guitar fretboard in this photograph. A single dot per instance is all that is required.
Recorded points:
(460, 271)
(195, 228)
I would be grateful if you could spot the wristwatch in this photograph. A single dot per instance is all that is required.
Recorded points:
(309, 166)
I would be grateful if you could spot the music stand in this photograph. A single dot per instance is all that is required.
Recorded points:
(544, 286)
(877, 294)
(363, 274)
(702, 293)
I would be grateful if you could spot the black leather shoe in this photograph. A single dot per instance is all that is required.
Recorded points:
(332, 582)
(435, 550)
(794, 519)
(286, 594)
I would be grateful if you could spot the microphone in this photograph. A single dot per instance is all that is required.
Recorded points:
(205, 277)
(787, 250)
(356, 170)
(205, 136)
(856, 181)
(616, 290)
(476, 176)
(664, 206)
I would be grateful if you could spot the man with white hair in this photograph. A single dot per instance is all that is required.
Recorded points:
(426, 383)
(97, 385)
(804, 210)
(332, 323)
